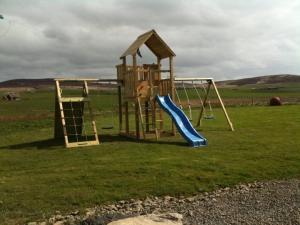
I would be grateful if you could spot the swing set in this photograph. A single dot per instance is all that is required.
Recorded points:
(206, 84)
(207, 113)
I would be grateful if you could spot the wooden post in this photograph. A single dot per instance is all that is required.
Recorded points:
(223, 107)
(172, 87)
(153, 109)
(126, 118)
(147, 116)
(59, 130)
(135, 74)
(122, 82)
(120, 108)
(137, 120)
(140, 112)
(136, 108)
(124, 67)
(203, 104)
(161, 119)
(63, 122)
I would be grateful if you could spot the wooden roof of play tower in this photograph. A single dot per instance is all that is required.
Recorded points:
(154, 42)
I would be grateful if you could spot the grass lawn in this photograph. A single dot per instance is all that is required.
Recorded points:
(39, 176)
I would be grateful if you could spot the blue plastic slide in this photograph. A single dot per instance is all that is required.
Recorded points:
(182, 123)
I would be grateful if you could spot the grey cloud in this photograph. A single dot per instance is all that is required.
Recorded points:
(224, 38)
(57, 34)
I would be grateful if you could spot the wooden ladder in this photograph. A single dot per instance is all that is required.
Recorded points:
(69, 117)
(153, 115)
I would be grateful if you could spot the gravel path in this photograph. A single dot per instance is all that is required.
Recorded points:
(273, 202)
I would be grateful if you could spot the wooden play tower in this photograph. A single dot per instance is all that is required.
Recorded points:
(139, 84)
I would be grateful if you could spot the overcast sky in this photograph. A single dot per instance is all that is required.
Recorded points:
(220, 38)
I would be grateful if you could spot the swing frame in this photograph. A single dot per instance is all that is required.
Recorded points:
(211, 114)
(211, 84)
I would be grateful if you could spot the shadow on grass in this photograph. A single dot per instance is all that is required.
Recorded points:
(42, 144)
(52, 144)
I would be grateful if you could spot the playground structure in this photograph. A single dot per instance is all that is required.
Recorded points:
(141, 83)
(141, 86)
(149, 93)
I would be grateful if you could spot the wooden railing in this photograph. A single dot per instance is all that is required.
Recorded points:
(127, 76)
(165, 87)
(129, 87)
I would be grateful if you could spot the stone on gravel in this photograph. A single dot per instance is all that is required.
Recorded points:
(151, 219)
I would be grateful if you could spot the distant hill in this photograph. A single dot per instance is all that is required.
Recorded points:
(34, 83)
(27, 83)
(269, 79)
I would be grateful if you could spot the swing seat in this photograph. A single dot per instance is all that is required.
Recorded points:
(210, 117)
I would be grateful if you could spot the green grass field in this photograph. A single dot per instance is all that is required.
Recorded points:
(39, 176)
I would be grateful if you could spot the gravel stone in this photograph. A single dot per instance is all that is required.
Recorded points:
(272, 202)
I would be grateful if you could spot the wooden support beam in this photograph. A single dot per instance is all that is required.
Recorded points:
(192, 79)
(223, 107)
(120, 108)
(147, 116)
(135, 74)
(63, 122)
(85, 93)
(172, 87)
(137, 120)
(136, 108)
(161, 123)
(75, 79)
(141, 120)
(124, 70)
(153, 114)
(126, 118)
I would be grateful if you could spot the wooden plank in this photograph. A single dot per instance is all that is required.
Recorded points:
(82, 144)
(108, 81)
(74, 99)
(85, 89)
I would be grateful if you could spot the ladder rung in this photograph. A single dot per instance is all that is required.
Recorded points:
(74, 99)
